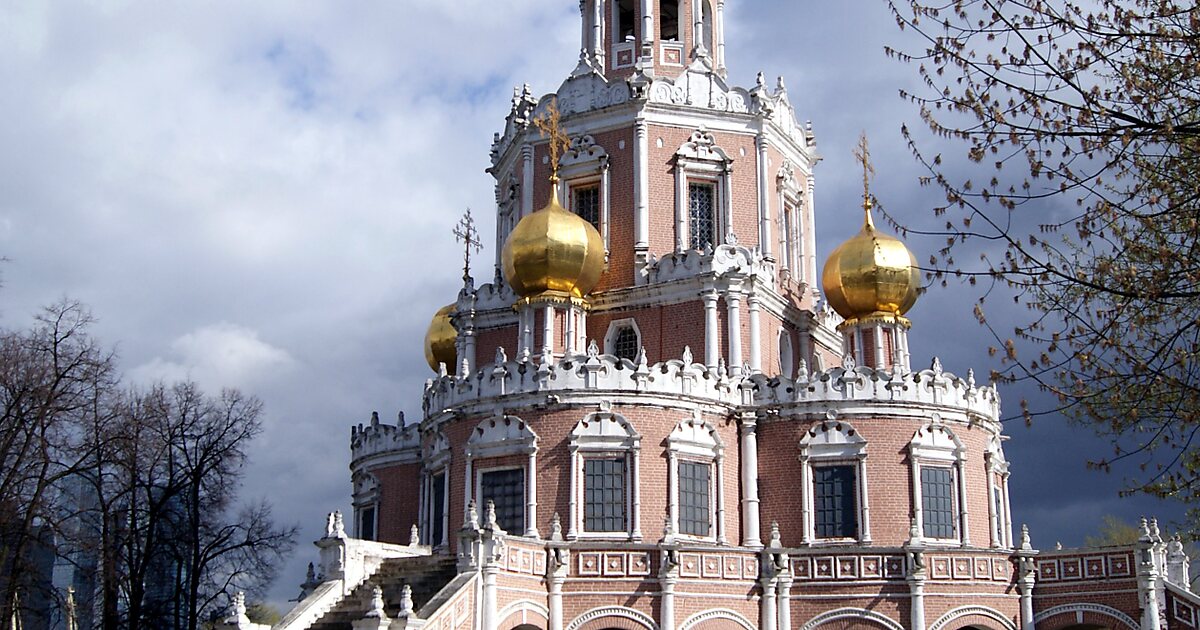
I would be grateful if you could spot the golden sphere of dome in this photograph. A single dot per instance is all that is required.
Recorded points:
(440, 338)
(553, 253)
(872, 274)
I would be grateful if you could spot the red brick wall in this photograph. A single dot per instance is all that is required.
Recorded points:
(399, 497)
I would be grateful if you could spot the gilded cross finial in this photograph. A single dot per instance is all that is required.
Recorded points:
(465, 233)
(549, 124)
(863, 153)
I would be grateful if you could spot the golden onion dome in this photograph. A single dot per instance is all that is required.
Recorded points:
(440, 338)
(872, 275)
(553, 253)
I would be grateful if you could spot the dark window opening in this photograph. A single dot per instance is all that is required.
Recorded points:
(937, 502)
(694, 513)
(834, 499)
(701, 203)
(585, 202)
(604, 495)
(506, 489)
(669, 12)
(999, 515)
(626, 18)
(625, 345)
(438, 515)
(366, 523)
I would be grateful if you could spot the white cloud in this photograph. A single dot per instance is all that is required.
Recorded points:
(218, 356)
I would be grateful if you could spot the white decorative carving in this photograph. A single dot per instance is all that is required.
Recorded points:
(1126, 620)
(851, 613)
(717, 613)
(623, 612)
(984, 611)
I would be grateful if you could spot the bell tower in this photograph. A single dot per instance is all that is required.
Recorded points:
(655, 37)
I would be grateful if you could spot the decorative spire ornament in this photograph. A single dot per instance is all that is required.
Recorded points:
(465, 232)
(549, 123)
(863, 154)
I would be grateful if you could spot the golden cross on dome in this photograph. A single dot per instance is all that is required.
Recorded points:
(863, 153)
(549, 124)
(465, 233)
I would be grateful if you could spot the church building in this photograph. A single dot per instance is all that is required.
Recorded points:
(660, 414)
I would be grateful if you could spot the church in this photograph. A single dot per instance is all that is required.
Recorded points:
(661, 414)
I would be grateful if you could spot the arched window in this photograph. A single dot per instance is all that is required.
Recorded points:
(939, 484)
(605, 496)
(513, 489)
(366, 506)
(696, 505)
(706, 14)
(833, 475)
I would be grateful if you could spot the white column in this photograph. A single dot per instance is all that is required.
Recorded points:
(647, 24)
(1007, 511)
(681, 202)
(698, 48)
(526, 179)
(555, 601)
(727, 201)
(994, 516)
(719, 36)
(488, 617)
(583, 340)
(666, 619)
(711, 329)
(635, 482)
(767, 603)
(865, 527)
(548, 329)
(917, 607)
(806, 499)
(641, 186)
(604, 203)
(719, 471)
(584, 44)
(753, 303)
(733, 300)
(673, 489)
(422, 508)
(916, 497)
(531, 517)
(810, 239)
(598, 33)
(764, 204)
(469, 343)
(784, 592)
(965, 534)
(878, 349)
(569, 323)
(749, 461)
(468, 488)
(572, 501)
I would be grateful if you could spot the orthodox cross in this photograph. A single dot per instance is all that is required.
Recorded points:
(465, 233)
(863, 153)
(549, 124)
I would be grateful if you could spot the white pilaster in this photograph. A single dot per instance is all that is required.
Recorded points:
(573, 501)
(806, 500)
(673, 489)
(764, 203)
(719, 471)
(965, 535)
(531, 514)
(548, 329)
(916, 588)
(635, 481)
(767, 603)
(526, 179)
(468, 488)
(733, 300)
(753, 303)
(865, 526)
(666, 619)
(810, 238)
(598, 33)
(784, 592)
(641, 186)
(749, 461)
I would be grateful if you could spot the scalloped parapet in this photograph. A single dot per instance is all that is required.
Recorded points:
(376, 438)
(725, 259)
(682, 377)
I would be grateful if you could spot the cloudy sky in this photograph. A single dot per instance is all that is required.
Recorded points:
(260, 195)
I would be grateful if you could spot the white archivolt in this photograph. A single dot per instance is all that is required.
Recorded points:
(1128, 621)
(963, 611)
(853, 613)
(718, 613)
(613, 611)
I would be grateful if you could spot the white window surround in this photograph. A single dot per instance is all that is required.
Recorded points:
(791, 245)
(605, 434)
(366, 495)
(502, 436)
(436, 455)
(614, 328)
(701, 160)
(585, 163)
(1001, 516)
(833, 442)
(479, 472)
(696, 440)
(935, 445)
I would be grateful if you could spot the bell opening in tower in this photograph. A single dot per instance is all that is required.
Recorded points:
(626, 19)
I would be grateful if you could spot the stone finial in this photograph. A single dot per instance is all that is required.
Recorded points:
(524, 357)
(1025, 544)
(802, 371)
(687, 356)
(339, 526)
(914, 531)
(722, 371)
(730, 238)
(406, 601)
(1058, 546)
(760, 80)
(848, 362)
(775, 541)
(936, 366)
(501, 357)
(593, 350)
(414, 536)
(640, 359)
(465, 370)
(547, 357)
(489, 514)
(556, 534)
(237, 616)
(329, 525)
(377, 611)
(311, 575)
(472, 515)
(668, 530)
(971, 378)
(1154, 533)
(442, 373)
(1144, 526)
(779, 85)
(374, 418)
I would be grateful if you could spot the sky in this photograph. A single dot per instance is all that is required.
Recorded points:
(261, 194)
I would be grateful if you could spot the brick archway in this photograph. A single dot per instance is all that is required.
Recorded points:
(973, 616)
(613, 618)
(851, 619)
(1084, 615)
(717, 619)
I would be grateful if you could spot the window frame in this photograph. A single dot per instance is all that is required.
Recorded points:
(853, 497)
(585, 164)
(833, 442)
(696, 440)
(935, 445)
(701, 161)
(503, 436)
(608, 435)
(693, 183)
(366, 497)
(710, 493)
(949, 483)
(625, 516)
(480, 473)
(614, 330)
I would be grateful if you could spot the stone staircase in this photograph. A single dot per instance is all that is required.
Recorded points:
(426, 575)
